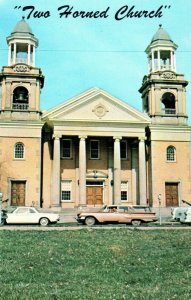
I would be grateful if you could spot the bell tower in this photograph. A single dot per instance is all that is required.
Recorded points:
(21, 81)
(163, 89)
(168, 136)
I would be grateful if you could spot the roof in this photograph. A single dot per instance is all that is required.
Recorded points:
(161, 34)
(22, 30)
(161, 38)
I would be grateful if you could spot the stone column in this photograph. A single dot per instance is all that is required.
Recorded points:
(158, 60)
(174, 61)
(82, 170)
(14, 54)
(9, 56)
(33, 59)
(29, 55)
(153, 61)
(117, 171)
(134, 165)
(142, 173)
(56, 172)
(110, 174)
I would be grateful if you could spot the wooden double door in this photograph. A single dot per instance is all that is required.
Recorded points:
(94, 195)
(171, 191)
(18, 191)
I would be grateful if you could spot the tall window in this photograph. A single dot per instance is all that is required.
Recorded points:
(66, 148)
(123, 148)
(171, 153)
(94, 149)
(19, 151)
(66, 190)
(124, 191)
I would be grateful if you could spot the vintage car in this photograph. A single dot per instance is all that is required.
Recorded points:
(178, 213)
(30, 215)
(186, 217)
(134, 215)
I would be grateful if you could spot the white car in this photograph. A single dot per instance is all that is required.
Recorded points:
(178, 213)
(187, 216)
(29, 215)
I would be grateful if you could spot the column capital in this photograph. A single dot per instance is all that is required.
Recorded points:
(142, 139)
(56, 136)
(117, 138)
(82, 137)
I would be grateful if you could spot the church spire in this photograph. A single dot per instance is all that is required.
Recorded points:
(22, 44)
(161, 52)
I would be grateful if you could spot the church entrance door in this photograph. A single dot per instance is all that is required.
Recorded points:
(94, 192)
(18, 189)
(171, 191)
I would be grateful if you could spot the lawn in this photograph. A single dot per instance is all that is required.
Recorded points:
(92, 264)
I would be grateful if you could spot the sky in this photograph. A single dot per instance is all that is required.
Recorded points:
(76, 54)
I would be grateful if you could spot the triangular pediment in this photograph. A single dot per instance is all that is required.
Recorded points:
(95, 105)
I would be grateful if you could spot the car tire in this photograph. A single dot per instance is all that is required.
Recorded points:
(90, 221)
(136, 222)
(44, 221)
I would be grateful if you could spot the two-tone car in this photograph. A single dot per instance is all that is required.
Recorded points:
(134, 215)
(30, 215)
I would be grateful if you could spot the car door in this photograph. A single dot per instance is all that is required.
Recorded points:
(33, 216)
(19, 216)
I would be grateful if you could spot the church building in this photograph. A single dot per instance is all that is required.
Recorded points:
(93, 149)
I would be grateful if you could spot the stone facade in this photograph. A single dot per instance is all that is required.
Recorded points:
(93, 149)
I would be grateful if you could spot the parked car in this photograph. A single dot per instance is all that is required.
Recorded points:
(30, 215)
(134, 215)
(186, 218)
(178, 213)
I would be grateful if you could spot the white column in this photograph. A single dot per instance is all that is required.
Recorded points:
(158, 60)
(29, 55)
(117, 171)
(149, 64)
(110, 175)
(56, 172)
(9, 55)
(153, 61)
(82, 170)
(173, 61)
(134, 166)
(33, 62)
(14, 53)
(142, 172)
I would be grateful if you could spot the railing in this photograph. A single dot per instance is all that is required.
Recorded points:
(20, 106)
(21, 60)
(166, 67)
(169, 111)
(161, 67)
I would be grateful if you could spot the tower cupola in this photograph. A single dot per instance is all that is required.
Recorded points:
(22, 44)
(161, 52)
(163, 90)
(21, 81)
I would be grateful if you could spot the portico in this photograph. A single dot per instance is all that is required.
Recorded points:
(98, 161)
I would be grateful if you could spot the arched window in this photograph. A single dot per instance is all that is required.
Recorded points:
(168, 100)
(20, 98)
(19, 151)
(171, 153)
